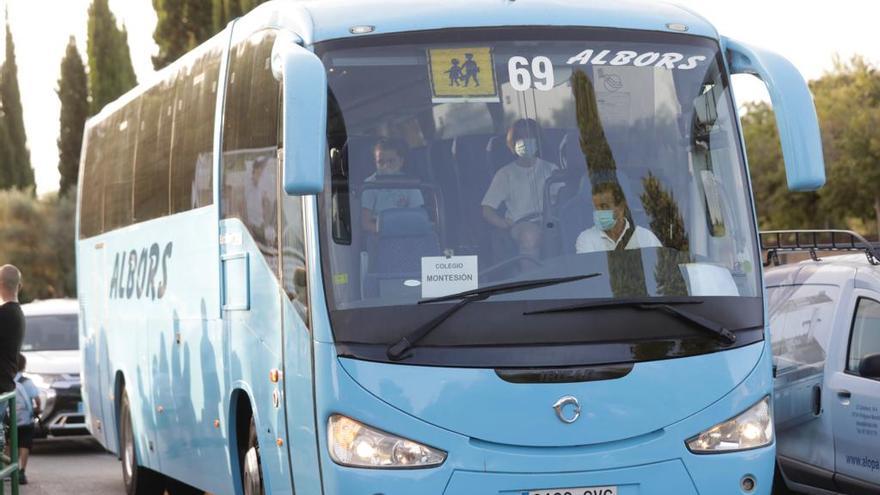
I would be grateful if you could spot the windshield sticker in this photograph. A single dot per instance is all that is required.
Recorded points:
(462, 75)
(524, 74)
(443, 275)
(659, 60)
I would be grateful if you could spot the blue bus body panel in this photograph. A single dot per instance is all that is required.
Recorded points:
(612, 410)
(143, 330)
(656, 462)
(255, 348)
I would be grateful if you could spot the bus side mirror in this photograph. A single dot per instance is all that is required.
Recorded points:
(795, 112)
(304, 117)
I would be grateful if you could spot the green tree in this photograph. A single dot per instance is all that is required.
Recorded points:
(848, 103)
(184, 24)
(28, 227)
(19, 171)
(73, 92)
(110, 71)
(777, 207)
(6, 158)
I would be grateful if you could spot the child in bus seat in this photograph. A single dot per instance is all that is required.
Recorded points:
(389, 159)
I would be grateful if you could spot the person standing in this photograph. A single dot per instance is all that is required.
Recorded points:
(11, 326)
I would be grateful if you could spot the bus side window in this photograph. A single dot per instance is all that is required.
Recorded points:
(250, 143)
(92, 183)
(293, 255)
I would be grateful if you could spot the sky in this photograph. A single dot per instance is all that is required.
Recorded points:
(809, 34)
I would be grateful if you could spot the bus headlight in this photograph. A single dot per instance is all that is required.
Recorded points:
(355, 444)
(750, 429)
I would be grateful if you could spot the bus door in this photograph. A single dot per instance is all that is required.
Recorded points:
(250, 230)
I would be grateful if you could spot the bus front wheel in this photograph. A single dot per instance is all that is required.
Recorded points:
(252, 476)
(138, 480)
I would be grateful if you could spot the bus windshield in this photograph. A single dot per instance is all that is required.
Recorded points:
(468, 158)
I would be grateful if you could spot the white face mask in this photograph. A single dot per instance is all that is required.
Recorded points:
(526, 148)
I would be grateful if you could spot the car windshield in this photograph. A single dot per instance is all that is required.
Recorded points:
(467, 158)
(50, 333)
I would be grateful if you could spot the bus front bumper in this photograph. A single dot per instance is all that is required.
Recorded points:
(720, 474)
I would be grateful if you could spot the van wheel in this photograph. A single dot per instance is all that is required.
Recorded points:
(138, 480)
(252, 476)
(779, 486)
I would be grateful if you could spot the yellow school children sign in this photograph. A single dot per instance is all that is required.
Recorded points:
(462, 74)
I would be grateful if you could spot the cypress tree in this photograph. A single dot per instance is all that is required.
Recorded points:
(110, 71)
(19, 168)
(74, 95)
(6, 159)
(171, 33)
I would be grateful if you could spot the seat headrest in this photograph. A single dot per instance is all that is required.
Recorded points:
(404, 222)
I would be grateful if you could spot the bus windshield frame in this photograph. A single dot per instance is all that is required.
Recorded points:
(497, 332)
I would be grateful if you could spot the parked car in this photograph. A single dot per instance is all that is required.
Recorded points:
(51, 346)
(825, 331)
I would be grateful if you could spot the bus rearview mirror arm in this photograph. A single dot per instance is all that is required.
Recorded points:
(304, 115)
(795, 112)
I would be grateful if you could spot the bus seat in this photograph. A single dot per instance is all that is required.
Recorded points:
(416, 164)
(549, 146)
(497, 153)
(405, 236)
(445, 178)
(474, 174)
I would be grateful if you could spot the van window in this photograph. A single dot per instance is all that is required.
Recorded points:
(800, 324)
(865, 336)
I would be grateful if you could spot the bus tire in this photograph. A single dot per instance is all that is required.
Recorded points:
(137, 480)
(251, 472)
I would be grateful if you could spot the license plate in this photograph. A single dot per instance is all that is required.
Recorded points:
(584, 490)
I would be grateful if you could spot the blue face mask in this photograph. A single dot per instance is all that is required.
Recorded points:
(604, 219)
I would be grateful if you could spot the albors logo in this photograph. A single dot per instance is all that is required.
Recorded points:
(136, 273)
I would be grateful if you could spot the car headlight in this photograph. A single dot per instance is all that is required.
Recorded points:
(748, 430)
(355, 444)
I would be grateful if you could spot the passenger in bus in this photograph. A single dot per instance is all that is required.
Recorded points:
(389, 158)
(519, 186)
(612, 228)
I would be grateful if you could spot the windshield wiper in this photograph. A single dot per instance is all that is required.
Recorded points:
(397, 350)
(667, 305)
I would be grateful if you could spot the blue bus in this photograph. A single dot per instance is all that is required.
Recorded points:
(447, 248)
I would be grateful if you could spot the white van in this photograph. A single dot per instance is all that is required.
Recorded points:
(51, 346)
(825, 330)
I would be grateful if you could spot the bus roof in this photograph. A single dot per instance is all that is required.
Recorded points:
(333, 19)
(322, 20)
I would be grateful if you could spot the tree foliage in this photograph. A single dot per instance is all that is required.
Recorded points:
(184, 24)
(18, 171)
(38, 238)
(73, 92)
(110, 71)
(847, 100)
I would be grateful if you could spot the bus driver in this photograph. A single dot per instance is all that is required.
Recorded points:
(611, 225)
